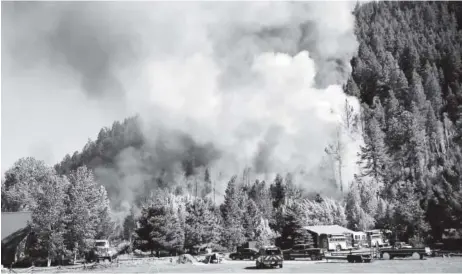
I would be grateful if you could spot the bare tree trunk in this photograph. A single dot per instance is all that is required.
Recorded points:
(340, 174)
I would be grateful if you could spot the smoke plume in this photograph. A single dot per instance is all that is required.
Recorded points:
(240, 84)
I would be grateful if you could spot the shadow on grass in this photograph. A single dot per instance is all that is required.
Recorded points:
(255, 268)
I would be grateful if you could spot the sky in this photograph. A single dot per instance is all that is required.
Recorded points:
(262, 81)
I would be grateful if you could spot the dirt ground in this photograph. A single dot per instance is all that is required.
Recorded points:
(430, 265)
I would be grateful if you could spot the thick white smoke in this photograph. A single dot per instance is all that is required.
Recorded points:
(261, 81)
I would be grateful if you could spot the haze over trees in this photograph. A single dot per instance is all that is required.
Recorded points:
(407, 75)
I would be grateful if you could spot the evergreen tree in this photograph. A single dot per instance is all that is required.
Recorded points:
(232, 217)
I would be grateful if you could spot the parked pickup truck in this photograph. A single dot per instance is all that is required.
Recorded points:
(269, 256)
(400, 250)
(304, 251)
(244, 253)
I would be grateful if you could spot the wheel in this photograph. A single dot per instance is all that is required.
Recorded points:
(233, 258)
(350, 260)
(291, 258)
(251, 258)
(386, 256)
(415, 256)
(338, 248)
(280, 266)
(313, 257)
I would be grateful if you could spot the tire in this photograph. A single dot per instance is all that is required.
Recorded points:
(233, 258)
(350, 260)
(338, 248)
(415, 256)
(280, 266)
(313, 257)
(251, 258)
(386, 256)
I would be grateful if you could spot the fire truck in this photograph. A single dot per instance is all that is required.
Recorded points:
(101, 251)
(335, 242)
(376, 237)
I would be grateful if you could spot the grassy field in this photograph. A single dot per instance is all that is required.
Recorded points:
(431, 265)
(441, 265)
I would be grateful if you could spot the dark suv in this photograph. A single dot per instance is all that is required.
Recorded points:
(244, 253)
(305, 251)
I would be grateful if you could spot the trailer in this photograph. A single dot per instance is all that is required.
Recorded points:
(351, 257)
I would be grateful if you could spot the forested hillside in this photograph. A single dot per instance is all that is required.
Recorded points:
(408, 77)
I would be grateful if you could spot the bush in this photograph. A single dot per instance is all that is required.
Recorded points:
(124, 248)
(417, 241)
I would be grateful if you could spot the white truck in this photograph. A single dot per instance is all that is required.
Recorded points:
(102, 251)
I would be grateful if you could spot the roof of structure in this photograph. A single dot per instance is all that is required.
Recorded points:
(328, 229)
(12, 222)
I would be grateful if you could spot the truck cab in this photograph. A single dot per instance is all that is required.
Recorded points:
(337, 242)
(101, 250)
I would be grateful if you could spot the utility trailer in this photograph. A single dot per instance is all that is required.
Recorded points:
(351, 257)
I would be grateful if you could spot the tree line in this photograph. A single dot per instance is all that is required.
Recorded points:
(407, 75)
(67, 211)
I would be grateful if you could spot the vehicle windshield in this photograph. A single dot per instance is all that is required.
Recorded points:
(100, 244)
(273, 252)
(375, 236)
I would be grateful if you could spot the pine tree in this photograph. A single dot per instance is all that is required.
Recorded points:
(278, 191)
(293, 231)
(159, 228)
(432, 88)
(200, 224)
(374, 155)
(232, 217)
(251, 220)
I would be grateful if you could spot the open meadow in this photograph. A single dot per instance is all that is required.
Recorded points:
(430, 265)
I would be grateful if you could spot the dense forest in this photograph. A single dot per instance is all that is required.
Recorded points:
(408, 76)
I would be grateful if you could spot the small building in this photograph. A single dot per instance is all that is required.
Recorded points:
(323, 235)
(15, 229)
